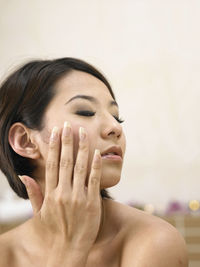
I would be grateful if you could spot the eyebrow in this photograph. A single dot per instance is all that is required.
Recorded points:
(90, 98)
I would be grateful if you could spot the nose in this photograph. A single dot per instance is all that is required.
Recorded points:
(111, 128)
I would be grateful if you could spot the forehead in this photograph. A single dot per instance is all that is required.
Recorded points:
(78, 82)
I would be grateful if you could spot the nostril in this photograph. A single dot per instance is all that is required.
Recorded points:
(111, 130)
(114, 133)
(111, 133)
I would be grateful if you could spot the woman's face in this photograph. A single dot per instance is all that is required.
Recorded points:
(84, 100)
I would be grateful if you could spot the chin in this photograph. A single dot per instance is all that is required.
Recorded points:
(110, 179)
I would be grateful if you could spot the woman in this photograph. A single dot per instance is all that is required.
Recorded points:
(62, 146)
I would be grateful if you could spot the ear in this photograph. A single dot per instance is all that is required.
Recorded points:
(22, 142)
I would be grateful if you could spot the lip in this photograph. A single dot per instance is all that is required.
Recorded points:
(117, 153)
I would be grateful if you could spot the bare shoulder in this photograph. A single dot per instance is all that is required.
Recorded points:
(5, 250)
(9, 245)
(149, 240)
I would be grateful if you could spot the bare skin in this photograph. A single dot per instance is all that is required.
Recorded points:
(72, 225)
(129, 238)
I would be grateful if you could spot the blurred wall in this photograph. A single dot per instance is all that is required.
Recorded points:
(150, 52)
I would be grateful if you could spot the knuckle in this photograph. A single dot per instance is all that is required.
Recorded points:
(66, 141)
(62, 199)
(84, 147)
(96, 166)
(80, 168)
(66, 163)
(51, 164)
(76, 202)
(94, 180)
(52, 145)
(58, 199)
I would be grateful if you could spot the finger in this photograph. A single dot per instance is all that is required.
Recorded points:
(80, 168)
(52, 161)
(66, 158)
(95, 176)
(34, 192)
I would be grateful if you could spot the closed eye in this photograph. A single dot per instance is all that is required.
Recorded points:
(86, 113)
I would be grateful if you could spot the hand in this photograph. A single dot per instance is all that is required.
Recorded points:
(69, 212)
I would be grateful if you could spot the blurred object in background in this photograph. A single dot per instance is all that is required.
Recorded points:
(13, 210)
(176, 208)
(194, 205)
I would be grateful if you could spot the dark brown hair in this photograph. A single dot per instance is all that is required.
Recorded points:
(24, 97)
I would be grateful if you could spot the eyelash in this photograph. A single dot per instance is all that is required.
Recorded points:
(88, 113)
(118, 119)
(85, 113)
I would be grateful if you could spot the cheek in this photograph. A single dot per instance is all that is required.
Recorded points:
(124, 143)
(45, 135)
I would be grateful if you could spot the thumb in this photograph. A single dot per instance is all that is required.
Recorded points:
(34, 192)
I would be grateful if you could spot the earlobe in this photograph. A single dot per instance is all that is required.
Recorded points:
(21, 142)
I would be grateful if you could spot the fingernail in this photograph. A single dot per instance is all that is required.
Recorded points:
(66, 129)
(82, 133)
(54, 134)
(23, 179)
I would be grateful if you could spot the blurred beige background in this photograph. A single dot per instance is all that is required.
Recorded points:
(150, 52)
